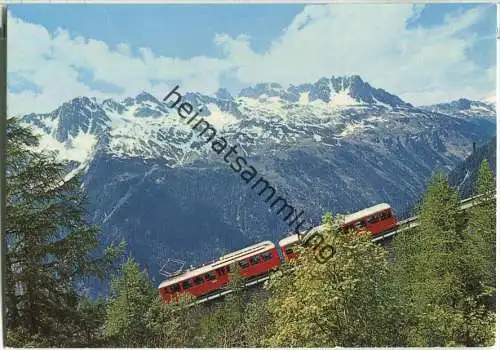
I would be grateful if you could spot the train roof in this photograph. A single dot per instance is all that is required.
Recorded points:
(259, 247)
(295, 237)
(225, 260)
(366, 212)
(289, 240)
(347, 218)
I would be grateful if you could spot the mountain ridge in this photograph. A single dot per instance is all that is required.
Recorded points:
(153, 182)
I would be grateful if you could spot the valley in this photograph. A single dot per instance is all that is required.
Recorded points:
(337, 144)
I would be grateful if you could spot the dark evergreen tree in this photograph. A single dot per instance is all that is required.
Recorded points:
(481, 236)
(51, 249)
(435, 275)
(126, 316)
(91, 322)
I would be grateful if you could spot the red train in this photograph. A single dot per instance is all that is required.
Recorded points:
(260, 258)
(253, 261)
(378, 219)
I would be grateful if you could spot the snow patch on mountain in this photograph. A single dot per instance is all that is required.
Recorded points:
(78, 148)
(342, 99)
(304, 98)
(265, 116)
(220, 119)
(354, 128)
(465, 108)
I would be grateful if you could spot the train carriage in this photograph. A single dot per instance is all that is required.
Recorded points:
(377, 220)
(253, 261)
(259, 259)
(288, 246)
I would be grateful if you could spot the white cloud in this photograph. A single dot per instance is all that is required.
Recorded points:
(52, 62)
(422, 65)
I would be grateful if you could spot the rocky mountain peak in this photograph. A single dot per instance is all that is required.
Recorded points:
(224, 94)
(262, 90)
(264, 116)
(464, 108)
(337, 144)
(339, 91)
(145, 96)
(80, 115)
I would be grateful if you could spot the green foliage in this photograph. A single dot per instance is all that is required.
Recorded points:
(258, 321)
(93, 314)
(224, 326)
(440, 291)
(440, 273)
(481, 237)
(173, 325)
(339, 303)
(485, 184)
(126, 315)
(51, 249)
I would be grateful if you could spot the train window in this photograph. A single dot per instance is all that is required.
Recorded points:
(198, 280)
(254, 260)
(210, 276)
(267, 256)
(243, 264)
(175, 288)
(289, 250)
(384, 215)
(228, 268)
(186, 284)
(360, 224)
(373, 219)
(221, 271)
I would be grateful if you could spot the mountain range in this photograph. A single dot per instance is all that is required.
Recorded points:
(465, 174)
(337, 144)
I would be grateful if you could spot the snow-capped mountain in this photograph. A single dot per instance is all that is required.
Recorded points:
(465, 108)
(337, 145)
(324, 112)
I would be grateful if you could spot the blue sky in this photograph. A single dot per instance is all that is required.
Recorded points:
(425, 54)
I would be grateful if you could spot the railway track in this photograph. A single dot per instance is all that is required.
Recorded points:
(409, 223)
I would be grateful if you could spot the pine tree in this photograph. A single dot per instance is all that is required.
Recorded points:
(480, 269)
(126, 316)
(51, 249)
(342, 302)
(482, 223)
(91, 322)
(434, 275)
